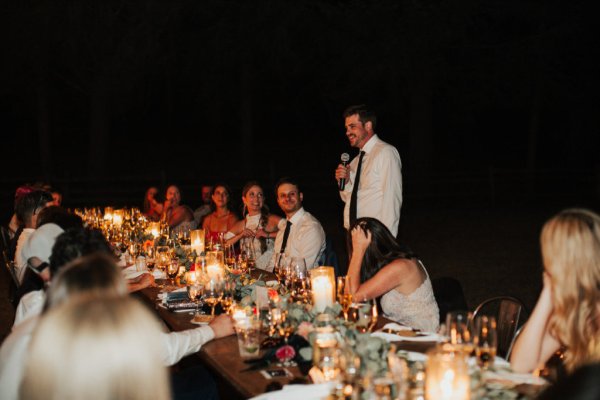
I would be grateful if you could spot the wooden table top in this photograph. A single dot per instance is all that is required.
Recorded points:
(222, 355)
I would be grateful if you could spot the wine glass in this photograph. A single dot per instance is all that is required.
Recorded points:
(367, 316)
(344, 298)
(173, 270)
(229, 255)
(194, 290)
(212, 294)
(227, 297)
(134, 251)
(298, 279)
(278, 268)
(162, 260)
(485, 341)
(459, 330)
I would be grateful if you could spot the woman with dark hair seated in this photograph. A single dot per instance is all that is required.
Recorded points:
(151, 207)
(221, 219)
(382, 268)
(179, 217)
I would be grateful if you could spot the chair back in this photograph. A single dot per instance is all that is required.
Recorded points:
(449, 296)
(329, 256)
(510, 314)
(8, 269)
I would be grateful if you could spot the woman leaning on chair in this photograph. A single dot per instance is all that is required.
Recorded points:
(567, 314)
(381, 267)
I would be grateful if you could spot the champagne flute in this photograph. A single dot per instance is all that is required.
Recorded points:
(298, 278)
(485, 341)
(227, 297)
(150, 260)
(343, 296)
(134, 251)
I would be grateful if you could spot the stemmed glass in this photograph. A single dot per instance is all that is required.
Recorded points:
(344, 297)
(279, 267)
(285, 329)
(172, 270)
(459, 331)
(150, 259)
(367, 316)
(299, 278)
(162, 259)
(485, 341)
(212, 294)
(227, 297)
(194, 290)
(134, 251)
(229, 255)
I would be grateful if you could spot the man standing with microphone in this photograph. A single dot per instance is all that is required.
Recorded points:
(371, 185)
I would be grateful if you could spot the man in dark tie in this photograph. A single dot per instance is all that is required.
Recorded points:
(373, 179)
(300, 234)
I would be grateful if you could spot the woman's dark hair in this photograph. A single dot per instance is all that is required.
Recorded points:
(146, 206)
(30, 203)
(60, 217)
(264, 212)
(382, 250)
(225, 186)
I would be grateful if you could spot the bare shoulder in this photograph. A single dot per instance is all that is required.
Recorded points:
(238, 227)
(402, 266)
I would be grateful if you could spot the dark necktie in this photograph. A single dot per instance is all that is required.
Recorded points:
(354, 195)
(286, 233)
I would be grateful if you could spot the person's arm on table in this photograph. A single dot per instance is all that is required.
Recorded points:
(177, 345)
(140, 282)
(535, 345)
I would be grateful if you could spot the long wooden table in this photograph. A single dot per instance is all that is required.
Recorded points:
(222, 355)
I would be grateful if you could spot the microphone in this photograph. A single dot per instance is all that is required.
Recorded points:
(345, 158)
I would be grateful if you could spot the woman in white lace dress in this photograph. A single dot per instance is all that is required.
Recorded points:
(382, 268)
(258, 228)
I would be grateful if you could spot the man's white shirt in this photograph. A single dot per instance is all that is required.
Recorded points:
(306, 238)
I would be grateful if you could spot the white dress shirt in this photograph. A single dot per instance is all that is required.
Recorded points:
(20, 260)
(14, 350)
(13, 354)
(306, 238)
(31, 304)
(176, 345)
(380, 189)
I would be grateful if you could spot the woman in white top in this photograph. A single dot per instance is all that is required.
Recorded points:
(258, 228)
(382, 268)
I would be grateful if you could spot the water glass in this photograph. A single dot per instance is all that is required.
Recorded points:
(248, 335)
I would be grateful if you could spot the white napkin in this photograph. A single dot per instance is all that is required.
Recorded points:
(299, 392)
(390, 337)
(514, 377)
(158, 274)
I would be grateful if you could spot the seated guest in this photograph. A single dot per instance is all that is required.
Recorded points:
(205, 208)
(151, 207)
(52, 221)
(28, 208)
(567, 314)
(67, 247)
(381, 267)
(14, 225)
(177, 216)
(100, 348)
(258, 229)
(221, 219)
(95, 275)
(306, 238)
(57, 196)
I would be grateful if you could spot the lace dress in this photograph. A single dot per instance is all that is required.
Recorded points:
(262, 259)
(417, 310)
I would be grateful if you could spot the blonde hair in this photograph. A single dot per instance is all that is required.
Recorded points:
(99, 349)
(570, 244)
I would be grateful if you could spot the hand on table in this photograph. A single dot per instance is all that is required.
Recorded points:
(222, 326)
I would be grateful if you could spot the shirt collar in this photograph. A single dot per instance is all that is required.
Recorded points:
(297, 216)
(370, 144)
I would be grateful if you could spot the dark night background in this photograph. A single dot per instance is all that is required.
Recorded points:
(491, 104)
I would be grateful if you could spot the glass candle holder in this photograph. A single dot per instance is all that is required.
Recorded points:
(447, 375)
(322, 281)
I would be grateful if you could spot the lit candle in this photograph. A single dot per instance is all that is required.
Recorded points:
(447, 376)
(214, 271)
(322, 291)
(117, 218)
(154, 229)
(108, 213)
(197, 240)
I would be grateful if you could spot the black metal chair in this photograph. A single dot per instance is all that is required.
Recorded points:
(329, 256)
(510, 314)
(449, 296)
